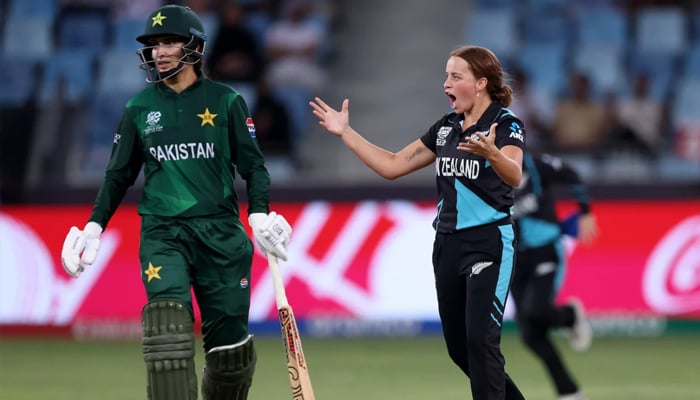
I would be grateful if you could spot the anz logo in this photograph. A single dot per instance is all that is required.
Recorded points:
(516, 132)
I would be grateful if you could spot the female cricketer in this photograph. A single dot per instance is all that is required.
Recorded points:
(190, 135)
(477, 151)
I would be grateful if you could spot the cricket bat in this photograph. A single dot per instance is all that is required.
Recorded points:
(296, 362)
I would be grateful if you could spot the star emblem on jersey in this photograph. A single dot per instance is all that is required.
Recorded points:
(207, 117)
(158, 19)
(152, 272)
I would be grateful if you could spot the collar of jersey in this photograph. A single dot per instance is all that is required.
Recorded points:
(190, 89)
(485, 121)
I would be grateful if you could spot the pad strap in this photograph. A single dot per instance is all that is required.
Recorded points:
(228, 371)
(168, 350)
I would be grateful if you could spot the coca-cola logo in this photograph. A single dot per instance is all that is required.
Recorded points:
(30, 290)
(671, 279)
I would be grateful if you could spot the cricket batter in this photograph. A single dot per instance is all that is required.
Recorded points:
(540, 266)
(190, 135)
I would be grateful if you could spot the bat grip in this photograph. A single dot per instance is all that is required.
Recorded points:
(277, 283)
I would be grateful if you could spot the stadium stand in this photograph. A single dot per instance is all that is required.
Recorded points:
(611, 40)
(503, 41)
(35, 31)
(19, 83)
(86, 31)
(68, 73)
(34, 8)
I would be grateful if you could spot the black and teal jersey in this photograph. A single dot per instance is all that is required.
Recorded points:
(190, 145)
(470, 192)
(535, 213)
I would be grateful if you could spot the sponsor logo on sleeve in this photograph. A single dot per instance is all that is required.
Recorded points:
(516, 131)
(251, 126)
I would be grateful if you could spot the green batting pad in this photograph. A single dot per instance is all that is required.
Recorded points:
(228, 371)
(168, 350)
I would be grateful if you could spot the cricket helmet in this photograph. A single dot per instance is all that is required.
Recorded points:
(167, 21)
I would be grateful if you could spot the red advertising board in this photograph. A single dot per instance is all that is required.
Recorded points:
(361, 260)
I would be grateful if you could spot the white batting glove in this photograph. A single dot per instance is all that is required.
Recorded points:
(80, 248)
(272, 232)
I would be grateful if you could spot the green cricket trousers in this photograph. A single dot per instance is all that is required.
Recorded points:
(208, 256)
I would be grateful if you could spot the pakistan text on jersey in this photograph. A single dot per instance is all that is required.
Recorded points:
(448, 166)
(182, 151)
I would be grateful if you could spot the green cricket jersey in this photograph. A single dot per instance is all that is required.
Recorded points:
(190, 145)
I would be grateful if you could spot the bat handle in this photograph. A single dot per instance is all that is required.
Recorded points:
(277, 283)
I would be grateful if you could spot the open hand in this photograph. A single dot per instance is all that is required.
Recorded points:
(333, 121)
(480, 144)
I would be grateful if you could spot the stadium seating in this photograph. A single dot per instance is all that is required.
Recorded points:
(72, 68)
(545, 64)
(119, 72)
(691, 65)
(87, 31)
(660, 69)
(295, 99)
(106, 110)
(125, 32)
(33, 8)
(94, 55)
(28, 37)
(551, 27)
(210, 21)
(603, 65)
(496, 4)
(258, 23)
(602, 26)
(494, 29)
(695, 27)
(686, 103)
(18, 80)
(661, 31)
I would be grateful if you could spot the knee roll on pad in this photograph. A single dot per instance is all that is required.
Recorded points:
(168, 350)
(228, 371)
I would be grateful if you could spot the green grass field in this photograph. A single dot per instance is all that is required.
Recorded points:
(665, 368)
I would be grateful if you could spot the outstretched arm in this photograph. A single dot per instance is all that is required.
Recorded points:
(386, 164)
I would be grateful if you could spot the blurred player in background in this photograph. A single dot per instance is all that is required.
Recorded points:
(477, 152)
(190, 135)
(540, 265)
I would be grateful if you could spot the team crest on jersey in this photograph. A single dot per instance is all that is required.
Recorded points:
(153, 122)
(207, 117)
(251, 126)
(474, 135)
(442, 135)
(516, 131)
(117, 137)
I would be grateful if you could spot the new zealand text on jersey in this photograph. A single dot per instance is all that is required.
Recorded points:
(449, 166)
(182, 151)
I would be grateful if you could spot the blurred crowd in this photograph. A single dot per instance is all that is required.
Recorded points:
(604, 82)
(70, 66)
(611, 83)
